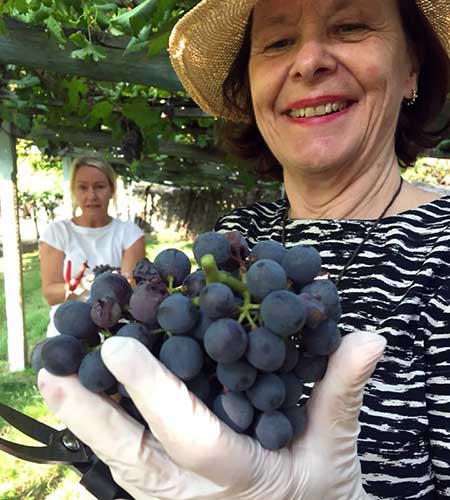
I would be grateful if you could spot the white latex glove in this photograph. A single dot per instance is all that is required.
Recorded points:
(192, 455)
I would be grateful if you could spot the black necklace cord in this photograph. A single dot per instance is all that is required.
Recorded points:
(364, 240)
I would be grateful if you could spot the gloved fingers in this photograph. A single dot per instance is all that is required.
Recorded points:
(333, 411)
(349, 369)
(138, 462)
(192, 435)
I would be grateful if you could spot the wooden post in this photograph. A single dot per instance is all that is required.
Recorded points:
(12, 254)
(67, 197)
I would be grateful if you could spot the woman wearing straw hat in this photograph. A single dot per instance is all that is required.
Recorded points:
(332, 96)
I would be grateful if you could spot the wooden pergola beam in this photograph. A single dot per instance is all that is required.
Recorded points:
(103, 140)
(31, 47)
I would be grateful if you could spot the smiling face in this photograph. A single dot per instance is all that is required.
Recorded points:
(328, 78)
(92, 190)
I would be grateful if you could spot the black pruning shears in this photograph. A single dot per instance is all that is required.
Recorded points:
(61, 447)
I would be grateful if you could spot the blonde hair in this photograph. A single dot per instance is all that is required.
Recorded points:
(96, 162)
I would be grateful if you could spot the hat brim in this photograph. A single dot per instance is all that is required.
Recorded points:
(203, 46)
(205, 42)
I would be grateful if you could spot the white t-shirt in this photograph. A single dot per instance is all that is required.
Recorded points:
(98, 246)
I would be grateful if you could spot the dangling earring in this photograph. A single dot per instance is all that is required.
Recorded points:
(413, 98)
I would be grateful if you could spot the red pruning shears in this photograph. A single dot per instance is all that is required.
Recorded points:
(72, 283)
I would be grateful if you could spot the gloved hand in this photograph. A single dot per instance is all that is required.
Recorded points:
(192, 455)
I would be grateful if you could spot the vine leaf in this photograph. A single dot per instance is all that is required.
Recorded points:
(90, 51)
(76, 89)
(138, 110)
(100, 112)
(158, 43)
(79, 39)
(56, 30)
(132, 22)
(140, 42)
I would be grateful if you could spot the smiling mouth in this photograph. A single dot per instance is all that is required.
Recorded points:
(321, 110)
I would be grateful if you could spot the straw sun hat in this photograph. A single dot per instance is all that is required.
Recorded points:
(205, 42)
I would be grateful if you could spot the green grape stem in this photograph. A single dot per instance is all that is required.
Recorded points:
(170, 286)
(214, 275)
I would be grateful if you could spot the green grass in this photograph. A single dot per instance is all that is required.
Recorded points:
(36, 307)
(21, 480)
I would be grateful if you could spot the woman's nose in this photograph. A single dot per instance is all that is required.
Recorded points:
(312, 60)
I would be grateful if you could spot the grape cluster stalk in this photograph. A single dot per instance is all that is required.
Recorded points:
(244, 331)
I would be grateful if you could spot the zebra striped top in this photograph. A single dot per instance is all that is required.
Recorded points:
(399, 287)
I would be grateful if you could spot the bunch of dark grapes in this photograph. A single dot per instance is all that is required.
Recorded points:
(245, 331)
(102, 268)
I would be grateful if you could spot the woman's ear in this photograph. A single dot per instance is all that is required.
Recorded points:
(412, 83)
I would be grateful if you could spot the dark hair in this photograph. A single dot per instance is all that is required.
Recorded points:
(417, 128)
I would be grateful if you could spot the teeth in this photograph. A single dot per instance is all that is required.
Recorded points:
(323, 109)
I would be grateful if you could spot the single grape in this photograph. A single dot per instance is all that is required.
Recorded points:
(194, 283)
(36, 362)
(265, 276)
(144, 270)
(325, 291)
(267, 393)
(212, 243)
(201, 326)
(74, 318)
(112, 285)
(217, 300)
(105, 312)
(62, 355)
(200, 386)
(93, 340)
(138, 331)
(183, 356)
(267, 249)
(322, 340)
(238, 249)
(145, 300)
(282, 312)
(297, 417)
(225, 340)
(294, 389)
(292, 354)
(177, 314)
(311, 368)
(173, 263)
(235, 410)
(237, 376)
(266, 351)
(302, 264)
(315, 309)
(273, 430)
(93, 373)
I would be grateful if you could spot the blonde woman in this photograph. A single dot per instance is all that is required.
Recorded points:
(93, 236)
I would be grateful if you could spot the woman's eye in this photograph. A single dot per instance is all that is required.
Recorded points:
(279, 44)
(351, 28)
